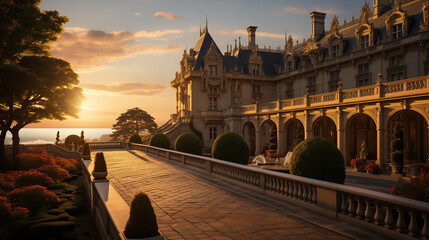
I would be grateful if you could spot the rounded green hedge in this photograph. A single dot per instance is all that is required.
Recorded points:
(231, 147)
(189, 143)
(318, 158)
(135, 138)
(75, 139)
(160, 140)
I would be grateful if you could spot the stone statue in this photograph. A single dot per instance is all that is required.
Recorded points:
(363, 151)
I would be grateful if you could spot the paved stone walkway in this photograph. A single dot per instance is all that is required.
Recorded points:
(191, 205)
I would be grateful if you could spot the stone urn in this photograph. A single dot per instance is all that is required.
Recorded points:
(396, 168)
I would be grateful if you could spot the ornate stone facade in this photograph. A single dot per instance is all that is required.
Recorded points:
(349, 84)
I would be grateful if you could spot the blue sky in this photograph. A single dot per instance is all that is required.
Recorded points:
(127, 51)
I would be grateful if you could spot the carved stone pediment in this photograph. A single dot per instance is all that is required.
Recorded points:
(335, 29)
(214, 82)
(311, 47)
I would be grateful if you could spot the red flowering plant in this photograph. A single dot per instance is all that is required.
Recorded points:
(417, 188)
(32, 177)
(32, 197)
(7, 213)
(71, 165)
(36, 150)
(356, 162)
(33, 160)
(373, 168)
(6, 183)
(54, 171)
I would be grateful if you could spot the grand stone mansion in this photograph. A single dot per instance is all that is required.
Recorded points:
(349, 84)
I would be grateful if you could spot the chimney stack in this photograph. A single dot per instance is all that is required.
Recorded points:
(317, 25)
(251, 36)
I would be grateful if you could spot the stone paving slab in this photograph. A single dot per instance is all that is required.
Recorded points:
(191, 205)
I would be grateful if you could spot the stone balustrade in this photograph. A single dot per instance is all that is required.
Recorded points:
(395, 216)
(106, 145)
(380, 91)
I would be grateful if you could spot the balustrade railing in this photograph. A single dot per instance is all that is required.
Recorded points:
(106, 145)
(384, 90)
(396, 216)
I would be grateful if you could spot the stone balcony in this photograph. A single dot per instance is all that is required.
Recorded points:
(212, 116)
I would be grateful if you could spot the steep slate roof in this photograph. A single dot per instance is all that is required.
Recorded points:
(273, 63)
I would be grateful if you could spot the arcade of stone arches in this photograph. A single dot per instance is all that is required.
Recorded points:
(358, 128)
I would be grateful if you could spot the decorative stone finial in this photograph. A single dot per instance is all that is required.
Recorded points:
(340, 86)
(380, 78)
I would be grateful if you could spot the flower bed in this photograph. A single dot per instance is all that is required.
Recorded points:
(36, 203)
(373, 168)
(417, 188)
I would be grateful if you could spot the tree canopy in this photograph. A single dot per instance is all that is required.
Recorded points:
(37, 88)
(133, 121)
(27, 30)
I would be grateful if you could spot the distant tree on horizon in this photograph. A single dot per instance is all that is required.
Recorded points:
(133, 121)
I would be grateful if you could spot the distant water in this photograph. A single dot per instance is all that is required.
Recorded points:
(48, 135)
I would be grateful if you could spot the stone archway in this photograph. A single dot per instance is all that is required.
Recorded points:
(415, 130)
(361, 127)
(265, 134)
(325, 127)
(293, 133)
(249, 135)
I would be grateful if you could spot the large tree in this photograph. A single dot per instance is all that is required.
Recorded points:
(48, 92)
(27, 30)
(133, 121)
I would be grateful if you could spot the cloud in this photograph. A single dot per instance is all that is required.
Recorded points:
(157, 34)
(137, 14)
(295, 10)
(124, 88)
(91, 49)
(243, 32)
(169, 16)
(300, 10)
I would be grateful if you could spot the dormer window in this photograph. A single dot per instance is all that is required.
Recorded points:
(255, 69)
(213, 69)
(335, 51)
(364, 41)
(397, 31)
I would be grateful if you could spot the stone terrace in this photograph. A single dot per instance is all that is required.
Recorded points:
(192, 205)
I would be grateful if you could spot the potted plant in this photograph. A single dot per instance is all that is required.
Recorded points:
(100, 169)
(142, 222)
(86, 153)
(372, 168)
(358, 164)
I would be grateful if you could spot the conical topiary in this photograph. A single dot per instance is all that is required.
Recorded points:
(273, 140)
(142, 221)
(397, 147)
(86, 153)
(100, 168)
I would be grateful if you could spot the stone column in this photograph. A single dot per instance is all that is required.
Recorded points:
(381, 136)
(257, 142)
(308, 133)
(341, 135)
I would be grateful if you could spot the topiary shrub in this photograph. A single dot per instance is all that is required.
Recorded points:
(231, 147)
(135, 138)
(160, 140)
(142, 221)
(272, 147)
(189, 143)
(100, 163)
(318, 158)
(397, 145)
(86, 152)
(75, 139)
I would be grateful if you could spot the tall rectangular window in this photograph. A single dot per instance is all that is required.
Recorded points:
(212, 103)
(362, 79)
(365, 41)
(256, 88)
(397, 31)
(289, 90)
(213, 69)
(396, 70)
(311, 85)
(212, 133)
(255, 69)
(334, 79)
(213, 90)
(335, 51)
